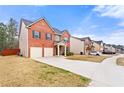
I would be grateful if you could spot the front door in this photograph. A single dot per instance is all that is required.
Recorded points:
(61, 50)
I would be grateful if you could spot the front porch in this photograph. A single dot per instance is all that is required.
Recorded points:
(60, 49)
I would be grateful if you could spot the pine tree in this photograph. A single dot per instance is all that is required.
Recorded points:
(3, 36)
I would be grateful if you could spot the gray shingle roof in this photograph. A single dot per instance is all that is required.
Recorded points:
(99, 42)
(57, 31)
(26, 22)
(85, 38)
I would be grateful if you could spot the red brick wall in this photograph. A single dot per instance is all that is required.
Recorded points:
(6, 52)
(65, 34)
(40, 26)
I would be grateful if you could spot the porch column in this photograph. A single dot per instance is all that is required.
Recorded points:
(65, 50)
(58, 50)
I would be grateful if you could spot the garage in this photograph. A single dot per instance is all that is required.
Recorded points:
(36, 52)
(48, 52)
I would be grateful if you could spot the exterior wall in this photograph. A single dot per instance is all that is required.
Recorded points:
(43, 27)
(96, 46)
(101, 47)
(109, 49)
(57, 37)
(113, 49)
(87, 43)
(67, 35)
(23, 40)
(76, 45)
(118, 50)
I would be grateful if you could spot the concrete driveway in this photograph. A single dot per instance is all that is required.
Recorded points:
(105, 74)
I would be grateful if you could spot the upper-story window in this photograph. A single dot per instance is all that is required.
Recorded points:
(66, 39)
(57, 37)
(48, 36)
(36, 34)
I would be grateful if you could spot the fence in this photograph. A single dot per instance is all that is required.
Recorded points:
(6, 52)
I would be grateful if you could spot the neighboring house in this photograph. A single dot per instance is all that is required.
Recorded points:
(76, 45)
(98, 46)
(109, 49)
(39, 39)
(119, 49)
(88, 46)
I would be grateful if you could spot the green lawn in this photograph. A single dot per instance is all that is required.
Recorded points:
(19, 71)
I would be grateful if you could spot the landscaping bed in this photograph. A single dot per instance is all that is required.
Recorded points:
(87, 58)
(18, 71)
(120, 61)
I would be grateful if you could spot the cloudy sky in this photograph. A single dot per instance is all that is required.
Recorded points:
(98, 22)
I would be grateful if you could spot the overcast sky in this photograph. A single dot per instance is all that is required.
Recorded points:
(98, 22)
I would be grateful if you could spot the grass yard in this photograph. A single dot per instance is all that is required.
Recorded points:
(120, 61)
(92, 58)
(18, 71)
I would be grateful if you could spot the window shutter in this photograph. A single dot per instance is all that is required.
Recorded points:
(51, 36)
(33, 33)
(46, 36)
(39, 34)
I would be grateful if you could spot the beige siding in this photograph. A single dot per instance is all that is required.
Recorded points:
(96, 46)
(57, 37)
(23, 40)
(76, 45)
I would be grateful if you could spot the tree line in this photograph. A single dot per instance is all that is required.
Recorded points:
(8, 35)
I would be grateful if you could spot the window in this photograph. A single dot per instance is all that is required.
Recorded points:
(48, 36)
(57, 38)
(65, 39)
(36, 34)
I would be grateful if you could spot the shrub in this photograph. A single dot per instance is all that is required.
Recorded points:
(69, 53)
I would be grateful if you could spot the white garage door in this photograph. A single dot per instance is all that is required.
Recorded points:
(36, 52)
(48, 52)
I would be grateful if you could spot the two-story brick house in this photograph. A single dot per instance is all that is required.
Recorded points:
(39, 39)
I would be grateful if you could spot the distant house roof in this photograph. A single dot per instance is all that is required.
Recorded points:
(85, 38)
(99, 42)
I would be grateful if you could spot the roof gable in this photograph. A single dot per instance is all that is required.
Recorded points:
(29, 23)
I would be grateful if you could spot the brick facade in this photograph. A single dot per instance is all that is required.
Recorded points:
(43, 27)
